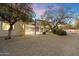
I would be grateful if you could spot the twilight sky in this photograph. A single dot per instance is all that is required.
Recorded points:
(40, 8)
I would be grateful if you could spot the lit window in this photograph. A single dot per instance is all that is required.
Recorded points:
(5, 26)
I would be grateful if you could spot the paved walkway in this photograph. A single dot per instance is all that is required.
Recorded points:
(41, 45)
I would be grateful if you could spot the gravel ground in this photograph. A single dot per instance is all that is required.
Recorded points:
(41, 45)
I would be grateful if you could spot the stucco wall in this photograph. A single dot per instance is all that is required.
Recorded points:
(17, 30)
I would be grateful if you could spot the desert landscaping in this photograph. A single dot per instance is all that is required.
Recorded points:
(31, 29)
(41, 45)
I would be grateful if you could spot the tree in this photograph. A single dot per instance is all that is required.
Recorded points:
(46, 25)
(60, 15)
(45, 20)
(77, 23)
(15, 12)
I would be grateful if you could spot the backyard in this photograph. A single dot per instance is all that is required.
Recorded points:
(41, 45)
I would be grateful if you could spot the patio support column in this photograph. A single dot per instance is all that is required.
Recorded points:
(35, 26)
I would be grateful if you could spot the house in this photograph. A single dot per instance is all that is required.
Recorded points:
(20, 28)
(17, 30)
(32, 28)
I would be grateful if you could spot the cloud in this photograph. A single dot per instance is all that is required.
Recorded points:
(39, 9)
(39, 12)
(54, 7)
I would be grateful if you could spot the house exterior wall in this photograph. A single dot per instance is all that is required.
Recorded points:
(30, 29)
(17, 30)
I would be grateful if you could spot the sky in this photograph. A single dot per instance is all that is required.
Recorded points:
(40, 8)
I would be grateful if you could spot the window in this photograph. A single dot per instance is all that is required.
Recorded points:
(5, 26)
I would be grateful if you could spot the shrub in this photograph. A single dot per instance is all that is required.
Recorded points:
(44, 33)
(54, 31)
(59, 31)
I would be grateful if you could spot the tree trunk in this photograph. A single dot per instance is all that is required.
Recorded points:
(9, 32)
(56, 26)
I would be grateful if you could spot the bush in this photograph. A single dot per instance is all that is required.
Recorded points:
(54, 30)
(59, 32)
(44, 33)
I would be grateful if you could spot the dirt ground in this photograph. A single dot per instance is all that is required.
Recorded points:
(41, 45)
